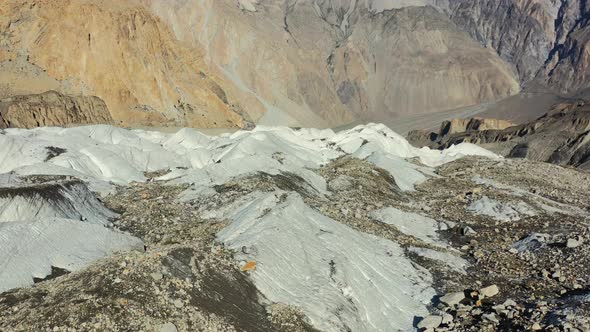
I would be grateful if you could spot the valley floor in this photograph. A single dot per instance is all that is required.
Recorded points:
(528, 105)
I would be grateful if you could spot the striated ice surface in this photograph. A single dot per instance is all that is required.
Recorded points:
(29, 249)
(451, 260)
(341, 278)
(101, 154)
(70, 200)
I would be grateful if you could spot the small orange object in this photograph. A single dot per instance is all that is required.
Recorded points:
(250, 266)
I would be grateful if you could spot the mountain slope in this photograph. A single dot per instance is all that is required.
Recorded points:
(342, 60)
(226, 63)
(117, 51)
(546, 41)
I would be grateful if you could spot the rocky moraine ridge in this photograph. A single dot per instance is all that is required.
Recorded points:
(562, 136)
(286, 230)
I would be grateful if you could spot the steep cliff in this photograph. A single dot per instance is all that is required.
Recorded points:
(118, 51)
(462, 125)
(521, 31)
(569, 67)
(52, 109)
(546, 41)
(449, 129)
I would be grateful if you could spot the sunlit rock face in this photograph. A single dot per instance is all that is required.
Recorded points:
(314, 63)
(52, 109)
(228, 63)
(116, 50)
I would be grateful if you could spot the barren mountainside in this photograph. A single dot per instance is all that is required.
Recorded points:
(117, 51)
(544, 40)
(51, 109)
(228, 63)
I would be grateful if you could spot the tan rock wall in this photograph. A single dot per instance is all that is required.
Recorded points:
(52, 109)
(122, 53)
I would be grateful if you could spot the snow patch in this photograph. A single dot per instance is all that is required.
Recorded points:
(531, 242)
(249, 5)
(378, 6)
(453, 261)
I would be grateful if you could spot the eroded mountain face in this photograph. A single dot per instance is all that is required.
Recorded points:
(522, 32)
(545, 40)
(224, 63)
(331, 62)
(118, 51)
(227, 63)
(52, 109)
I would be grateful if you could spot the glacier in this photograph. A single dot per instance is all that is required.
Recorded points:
(340, 277)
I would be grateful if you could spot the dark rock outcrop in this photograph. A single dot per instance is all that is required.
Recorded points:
(52, 109)
(562, 136)
(455, 127)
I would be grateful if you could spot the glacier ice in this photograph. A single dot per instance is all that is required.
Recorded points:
(341, 278)
(29, 249)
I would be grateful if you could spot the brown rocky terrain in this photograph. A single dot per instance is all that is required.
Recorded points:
(118, 51)
(461, 125)
(560, 136)
(314, 63)
(326, 59)
(52, 109)
(453, 127)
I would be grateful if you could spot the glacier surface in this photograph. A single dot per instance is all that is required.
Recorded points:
(341, 278)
